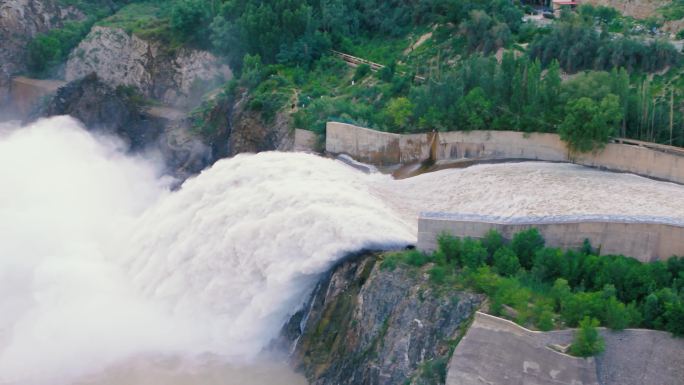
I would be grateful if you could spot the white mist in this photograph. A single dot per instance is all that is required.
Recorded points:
(101, 267)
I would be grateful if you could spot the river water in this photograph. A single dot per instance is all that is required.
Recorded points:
(108, 277)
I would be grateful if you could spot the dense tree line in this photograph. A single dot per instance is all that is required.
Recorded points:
(577, 46)
(550, 287)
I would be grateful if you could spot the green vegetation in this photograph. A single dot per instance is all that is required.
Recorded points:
(548, 288)
(625, 84)
(588, 342)
(588, 125)
(673, 11)
(49, 50)
(46, 52)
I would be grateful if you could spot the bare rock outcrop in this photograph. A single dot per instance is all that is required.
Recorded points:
(112, 111)
(21, 20)
(174, 76)
(369, 325)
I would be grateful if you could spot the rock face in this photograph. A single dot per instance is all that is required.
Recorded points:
(114, 112)
(176, 77)
(232, 128)
(102, 108)
(250, 133)
(370, 325)
(20, 20)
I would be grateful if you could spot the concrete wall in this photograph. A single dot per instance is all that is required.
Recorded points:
(26, 92)
(383, 148)
(305, 141)
(644, 238)
(498, 352)
(375, 147)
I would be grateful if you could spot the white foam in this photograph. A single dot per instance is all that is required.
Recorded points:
(100, 263)
(533, 189)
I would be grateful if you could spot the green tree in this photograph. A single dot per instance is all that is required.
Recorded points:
(674, 314)
(506, 262)
(400, 110)
(252, 71)
(492, 241)
(475, 110)
(616, 314)
(525, 244)
(588, 342)
(189, 19)
(474, 254)
(549, 264)
(450, 246)
(560, 292)
(543, 315)
(588, 126)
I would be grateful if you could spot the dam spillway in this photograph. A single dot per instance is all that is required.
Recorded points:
(235, 250)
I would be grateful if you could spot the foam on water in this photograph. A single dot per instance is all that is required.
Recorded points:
(105, 273)
(100, 263)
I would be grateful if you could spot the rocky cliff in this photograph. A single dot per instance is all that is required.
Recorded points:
(173, 76)
(21, 20)
(231, 127)
(116, 111)
(366, 324)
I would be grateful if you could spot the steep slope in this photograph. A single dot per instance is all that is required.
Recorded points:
(173, 76)
(370, 325)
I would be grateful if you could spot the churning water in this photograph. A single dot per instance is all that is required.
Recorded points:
(108, 277)
(100, 265)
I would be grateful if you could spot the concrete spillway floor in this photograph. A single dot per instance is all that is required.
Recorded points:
(531, 189)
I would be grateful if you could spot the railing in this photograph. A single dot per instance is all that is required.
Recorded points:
(650, 145)
(359, 61)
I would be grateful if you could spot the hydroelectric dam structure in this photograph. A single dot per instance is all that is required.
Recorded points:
(643, 237)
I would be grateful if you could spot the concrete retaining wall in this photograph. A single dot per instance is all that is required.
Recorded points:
(375, 147)
(26, 92)
(644, 238)
(381, 148)
(498, 352)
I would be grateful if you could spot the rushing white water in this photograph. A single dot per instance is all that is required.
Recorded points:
(100, 263)
(532, 189)
(107, 277)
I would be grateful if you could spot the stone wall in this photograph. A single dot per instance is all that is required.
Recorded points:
(381, 148)
(644, 238)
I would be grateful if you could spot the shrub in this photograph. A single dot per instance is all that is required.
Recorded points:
(506, 262)
(473, 254)
(588, 342)
(450, 246)
(492, 241)
(361, 72)
(438, 274)
(525, 244)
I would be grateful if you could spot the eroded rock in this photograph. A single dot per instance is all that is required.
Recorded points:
(369, 325)
(173, 76)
